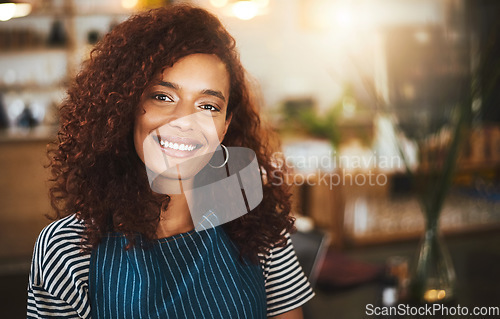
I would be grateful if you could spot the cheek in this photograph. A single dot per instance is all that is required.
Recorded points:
(214, 130)
(138, 141)
(221, 130)
(146, 122)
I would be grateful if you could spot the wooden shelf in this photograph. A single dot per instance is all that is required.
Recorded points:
(14, 53)
(38, 133)
(34, 87)
(382, 238)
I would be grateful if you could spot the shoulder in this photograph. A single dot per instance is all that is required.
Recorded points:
(286, 284)
(59, 243)
(68, 224)
(58, 281)
(278, 259)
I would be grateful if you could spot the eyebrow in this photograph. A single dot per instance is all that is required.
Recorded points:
(215, 93)
(169, 85)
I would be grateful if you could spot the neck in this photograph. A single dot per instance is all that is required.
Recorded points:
(176, 219)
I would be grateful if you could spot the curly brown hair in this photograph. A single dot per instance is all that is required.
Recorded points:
(96, 172)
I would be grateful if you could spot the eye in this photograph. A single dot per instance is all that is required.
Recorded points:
(210, 107)
(162, 97)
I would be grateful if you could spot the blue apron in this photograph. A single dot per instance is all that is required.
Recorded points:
(189, 275)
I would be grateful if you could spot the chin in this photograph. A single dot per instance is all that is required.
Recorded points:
(163, 177)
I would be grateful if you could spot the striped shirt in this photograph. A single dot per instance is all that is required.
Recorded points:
(64, 282)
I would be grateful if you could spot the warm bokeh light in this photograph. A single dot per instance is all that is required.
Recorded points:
(218, 3)
(129, 4)
(245, 10)
(7, 11)
(22, 10)
(433, 295)
(13, 10)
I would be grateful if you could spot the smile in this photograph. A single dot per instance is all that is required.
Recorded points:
(178, 146)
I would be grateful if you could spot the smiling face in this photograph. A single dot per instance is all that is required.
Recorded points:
(181, 118)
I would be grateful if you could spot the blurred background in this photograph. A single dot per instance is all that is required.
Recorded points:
(382, 106)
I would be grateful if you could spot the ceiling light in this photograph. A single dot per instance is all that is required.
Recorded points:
(129, 4)
(245, 9)
(9, 10)
(218, 3)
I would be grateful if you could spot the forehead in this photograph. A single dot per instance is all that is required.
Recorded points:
(197, 66)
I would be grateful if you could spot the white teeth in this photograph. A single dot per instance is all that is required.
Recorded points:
(176, 146)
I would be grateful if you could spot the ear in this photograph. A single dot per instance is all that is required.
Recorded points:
(228, 121)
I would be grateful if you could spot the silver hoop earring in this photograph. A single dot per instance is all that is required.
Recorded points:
(225, 161)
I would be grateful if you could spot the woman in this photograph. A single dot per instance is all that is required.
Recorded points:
(140, 232)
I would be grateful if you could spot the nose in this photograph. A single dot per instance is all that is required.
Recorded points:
(182, 116)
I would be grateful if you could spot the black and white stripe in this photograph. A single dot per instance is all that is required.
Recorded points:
(58, 284)
(286, 285)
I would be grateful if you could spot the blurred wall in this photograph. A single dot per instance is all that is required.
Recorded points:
(298, 48)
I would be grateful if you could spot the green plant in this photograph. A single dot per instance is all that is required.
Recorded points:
(321, 126)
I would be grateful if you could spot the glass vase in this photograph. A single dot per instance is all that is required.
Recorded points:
(433, 279)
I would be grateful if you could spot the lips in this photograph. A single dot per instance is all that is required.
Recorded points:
(177, 146)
